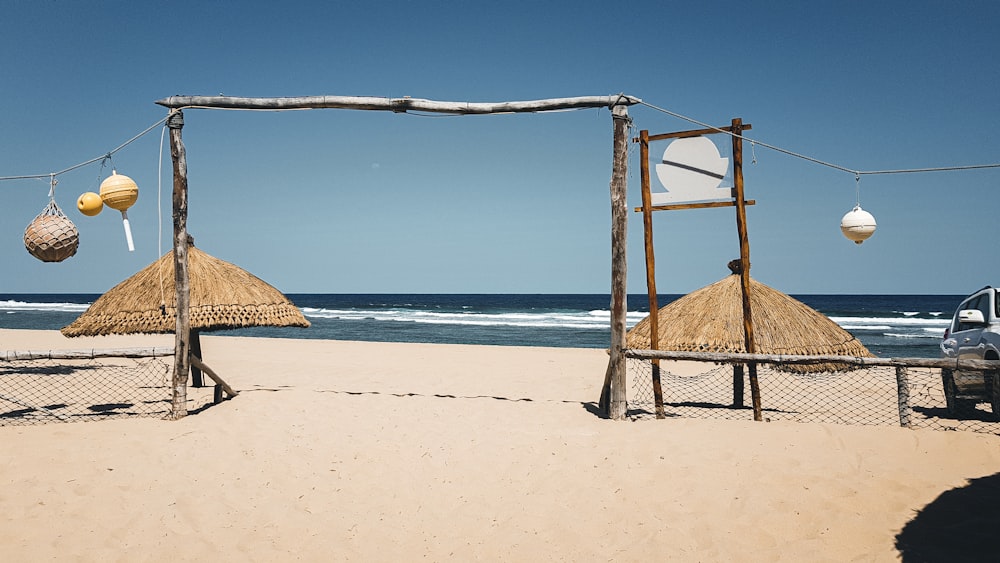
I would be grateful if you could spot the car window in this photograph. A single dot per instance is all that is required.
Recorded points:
(985, 306)
(996, 303)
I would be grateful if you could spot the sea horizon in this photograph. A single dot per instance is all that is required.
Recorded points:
(890, 325)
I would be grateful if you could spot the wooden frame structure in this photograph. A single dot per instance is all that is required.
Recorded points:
(612, 401)
(735, 130)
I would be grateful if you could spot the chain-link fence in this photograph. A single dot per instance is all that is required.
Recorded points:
(900, 395)
(42, 388)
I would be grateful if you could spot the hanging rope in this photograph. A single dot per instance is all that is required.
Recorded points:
(159, 218)
(816, 160)
(107, 156)
(103, 158)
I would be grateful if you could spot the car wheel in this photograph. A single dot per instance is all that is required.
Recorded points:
(955, 405)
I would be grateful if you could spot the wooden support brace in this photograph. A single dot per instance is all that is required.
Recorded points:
(196, 361)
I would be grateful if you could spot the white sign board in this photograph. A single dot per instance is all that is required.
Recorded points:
(692, 170)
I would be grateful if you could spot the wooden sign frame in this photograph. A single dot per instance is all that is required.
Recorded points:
(735, 131)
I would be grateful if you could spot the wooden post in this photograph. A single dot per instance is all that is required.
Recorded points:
(196, 380)
(182, 352)
(741, 227)
(738, 385)
(612, 401)
(903, 396)
(647, 229)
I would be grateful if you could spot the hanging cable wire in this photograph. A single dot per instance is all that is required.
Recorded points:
(731, 134)
(940, 169)
(754, 142)
(159, 218)
(816, 160)
(104, 157)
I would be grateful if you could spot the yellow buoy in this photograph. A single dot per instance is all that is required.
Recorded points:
(90, 204)
(120, 192)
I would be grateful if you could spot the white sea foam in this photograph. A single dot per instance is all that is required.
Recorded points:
(909, 326)
(865, 327)
(590, 320)
(874, 323)
(11, 306)
(912, 335)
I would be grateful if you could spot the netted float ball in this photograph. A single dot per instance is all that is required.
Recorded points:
(51, 236)
(857, 225)
(119, 191)
(90, 204)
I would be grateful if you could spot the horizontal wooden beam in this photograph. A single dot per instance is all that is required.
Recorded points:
(396, 104)
(674, 206)
(792, 359)
(692, 133)
(14, 355)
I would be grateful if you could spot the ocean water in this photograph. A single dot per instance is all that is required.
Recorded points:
(889, 325)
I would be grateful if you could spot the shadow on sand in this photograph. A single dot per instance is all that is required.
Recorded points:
(960, 525)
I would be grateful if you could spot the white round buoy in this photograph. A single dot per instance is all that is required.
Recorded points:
(858, 225)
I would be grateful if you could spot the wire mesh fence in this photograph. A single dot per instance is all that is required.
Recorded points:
(74, 387)
(910, 396)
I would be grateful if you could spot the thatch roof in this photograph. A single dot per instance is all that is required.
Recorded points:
(711, 320)
(223, 296)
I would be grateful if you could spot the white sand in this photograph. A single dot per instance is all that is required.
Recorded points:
(402, 452)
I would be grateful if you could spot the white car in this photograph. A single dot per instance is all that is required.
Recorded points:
(974, 334)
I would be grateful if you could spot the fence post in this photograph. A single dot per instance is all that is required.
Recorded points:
(903, 396)
(612, 401)
(182, 283)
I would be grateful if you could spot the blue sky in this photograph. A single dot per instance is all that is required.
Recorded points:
(342, 201)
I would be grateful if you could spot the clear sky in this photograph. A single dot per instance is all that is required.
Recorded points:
(338, 201)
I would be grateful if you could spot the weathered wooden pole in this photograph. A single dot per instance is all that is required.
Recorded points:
(903, 397)
(195, 341)
(182, 352)
(397, 105)
(738, 385)
(613, 402)
(741, 227)
(647, 231)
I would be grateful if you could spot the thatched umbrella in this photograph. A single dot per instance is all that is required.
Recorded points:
(223, 296)
(711, 320)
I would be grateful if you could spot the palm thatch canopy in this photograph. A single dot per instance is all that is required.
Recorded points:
(223, 296)
(711, 320)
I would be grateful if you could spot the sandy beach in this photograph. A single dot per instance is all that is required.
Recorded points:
(355, 451)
